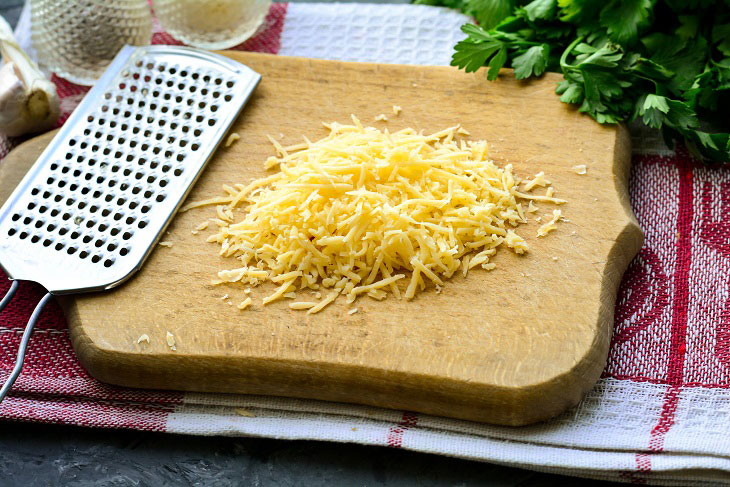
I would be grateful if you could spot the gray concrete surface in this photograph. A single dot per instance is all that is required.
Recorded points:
(43, 455)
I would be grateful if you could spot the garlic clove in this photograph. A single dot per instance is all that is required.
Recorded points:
(28, 101)
(12, 89)
(22, 110)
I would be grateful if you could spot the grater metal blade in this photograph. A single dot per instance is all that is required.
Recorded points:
(90, 210)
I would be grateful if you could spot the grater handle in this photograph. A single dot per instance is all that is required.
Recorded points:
(9, 295)
(24, 341)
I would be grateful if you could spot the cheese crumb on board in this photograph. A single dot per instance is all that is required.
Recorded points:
(224, 297)
(245, 303)
(538, 180)
(551, 225)
(369, 212)
(515, 242)
(165, 244)
(580, 169)
(143, 338)
(381, 118)
(170, 338)
(203, 225)
(352, 311)
(232, 138)
(396, 110)
(462, 131)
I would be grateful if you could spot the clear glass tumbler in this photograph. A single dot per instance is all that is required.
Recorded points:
(77, 39)
(211, 24)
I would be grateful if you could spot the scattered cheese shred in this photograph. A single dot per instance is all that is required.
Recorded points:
(551, 225)
(515, 242)
(165, 244)
(381, 118)
(538, 180)
(232, 138)
(244, 412)
(396, 110)
(360, 209)
(580, 169)
(203, 225)
(245, 303)
(463, 131)
(170, 341)
(352, 311)
(143, 338)
(319, 306)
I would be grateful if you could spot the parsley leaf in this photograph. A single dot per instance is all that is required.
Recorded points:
(622, 19)
(653, 109)
(571, 91)
(496, 64)
(681, 115)
(470, 56)
(721, 37)
(540, 9)
(472, 53)
(489, 13)
(532, 62)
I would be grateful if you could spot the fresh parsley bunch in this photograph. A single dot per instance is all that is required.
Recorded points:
(665, 62)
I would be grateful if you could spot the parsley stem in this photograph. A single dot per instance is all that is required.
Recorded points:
(563, 59)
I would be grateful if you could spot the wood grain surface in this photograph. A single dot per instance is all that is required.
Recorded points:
(511, 346)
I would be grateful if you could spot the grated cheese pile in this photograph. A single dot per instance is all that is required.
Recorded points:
(363, 211)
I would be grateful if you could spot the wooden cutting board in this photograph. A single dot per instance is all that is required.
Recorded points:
(512, 346)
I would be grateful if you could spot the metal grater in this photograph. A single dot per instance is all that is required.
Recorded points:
(90, 210)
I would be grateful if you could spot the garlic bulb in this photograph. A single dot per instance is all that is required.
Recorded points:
(28, 101)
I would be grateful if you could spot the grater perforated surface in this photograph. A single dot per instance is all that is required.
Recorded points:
(98, 198)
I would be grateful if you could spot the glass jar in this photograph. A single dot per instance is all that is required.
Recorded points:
(77, 39)
(211, 24)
